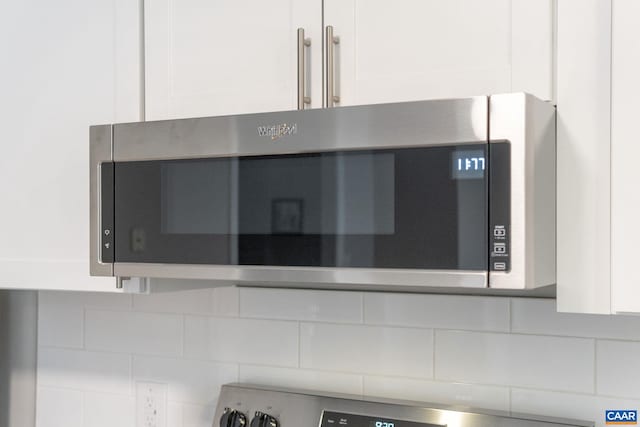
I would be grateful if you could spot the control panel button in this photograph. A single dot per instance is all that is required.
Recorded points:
(264, 420)
(232, 418)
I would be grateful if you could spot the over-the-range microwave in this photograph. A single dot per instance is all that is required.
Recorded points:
(416, 196)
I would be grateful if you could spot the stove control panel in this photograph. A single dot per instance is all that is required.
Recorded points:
(243, 405)
(339, 419)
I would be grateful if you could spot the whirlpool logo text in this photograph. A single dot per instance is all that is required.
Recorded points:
(278, 131)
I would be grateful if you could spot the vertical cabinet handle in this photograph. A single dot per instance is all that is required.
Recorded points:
(330, 96)
(302, 82)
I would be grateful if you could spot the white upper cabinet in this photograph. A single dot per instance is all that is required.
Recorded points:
(419, 49)
(598, 150)
(625, 154)
(66, 65)
(207, 58)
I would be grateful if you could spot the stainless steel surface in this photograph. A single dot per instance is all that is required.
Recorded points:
(303, 408)
(330, 97)
(303, 43)
(530, 126)
(100, 151)
(422, 123)
(18, 354)
(309, 277)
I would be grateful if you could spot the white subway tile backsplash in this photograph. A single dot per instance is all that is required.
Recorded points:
(197, 416)
(58, 407)
(567, 405)
(562, 364)
(221, 301)
(496, 353)
(84, 370)
(539, 316)
(189, 415)
(264, 342)
(174, 414)
(134, 332)
(444, 393)
(295, 304)
(618, 368)
(108, 410)
(60, 323)
(302, 379)
(437, 311)
(374, 350)
(189, 381)
(61, 315)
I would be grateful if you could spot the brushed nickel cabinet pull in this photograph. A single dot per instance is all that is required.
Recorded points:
(330, 97)
(302, 82)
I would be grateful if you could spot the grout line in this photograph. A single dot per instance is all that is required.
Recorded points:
(433, 353)
(595, 366)
(184, 335)
(299, 344)
(83, 328)
(510, 315)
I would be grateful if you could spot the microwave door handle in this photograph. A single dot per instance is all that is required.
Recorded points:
(303, 43)
(330, 96)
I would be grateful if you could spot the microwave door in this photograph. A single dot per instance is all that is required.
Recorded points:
(413, 209)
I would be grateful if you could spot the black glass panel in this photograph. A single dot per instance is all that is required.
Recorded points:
(420, 208)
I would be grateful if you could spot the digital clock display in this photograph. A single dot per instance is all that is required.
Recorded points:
(468, 164)
(340, 419)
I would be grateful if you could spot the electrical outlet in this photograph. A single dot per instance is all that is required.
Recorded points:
(151, 404)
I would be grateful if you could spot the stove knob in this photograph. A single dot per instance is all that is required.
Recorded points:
(232, 418)
(264, 420)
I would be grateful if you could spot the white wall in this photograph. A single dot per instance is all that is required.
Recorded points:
(499, 353)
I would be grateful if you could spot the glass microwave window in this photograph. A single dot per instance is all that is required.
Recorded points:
(388, 208)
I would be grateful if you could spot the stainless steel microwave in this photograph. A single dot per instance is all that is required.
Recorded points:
(415, 196)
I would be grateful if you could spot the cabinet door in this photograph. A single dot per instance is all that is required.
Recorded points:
(206, 58)
(66, 65)
(418, 49)
(625, 152)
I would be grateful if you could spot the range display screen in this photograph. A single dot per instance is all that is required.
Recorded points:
(338, 419)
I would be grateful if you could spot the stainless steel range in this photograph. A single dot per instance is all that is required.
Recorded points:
(258, 406)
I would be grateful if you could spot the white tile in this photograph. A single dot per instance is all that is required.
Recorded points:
(561, 364)
(566, 405)
(539, 316)
(226, 301)
(293, 304)
(132, 332)
(268, 342)
(191, 301)
(58, 408)
(197, 415)
(618, 368)
(301, 379)
(367, 349)
(222, 301)
(108, 410)
(174, 414)
(437, 311)
(84, 370)
(189, 381)
(443, 393)
(61, 315)
(60, 323)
